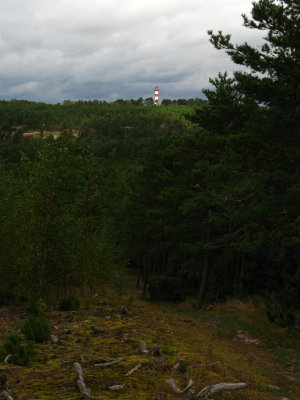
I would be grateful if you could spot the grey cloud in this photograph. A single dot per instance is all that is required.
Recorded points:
(52, 50)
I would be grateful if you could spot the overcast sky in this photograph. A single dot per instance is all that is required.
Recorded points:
(52, 50)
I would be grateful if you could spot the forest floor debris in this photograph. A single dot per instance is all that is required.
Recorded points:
(127, 370)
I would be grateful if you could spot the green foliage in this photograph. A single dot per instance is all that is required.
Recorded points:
(279, 312)
(212, 206)
(68, 304)
(20, 354)
(182, 367)
(33, 308)
(6, 296)
(274, 66)
(36, 329)
(167, 350)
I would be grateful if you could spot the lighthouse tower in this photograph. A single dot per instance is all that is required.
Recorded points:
(156, 96)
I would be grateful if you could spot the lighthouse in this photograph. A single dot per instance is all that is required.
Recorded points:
(156, 95)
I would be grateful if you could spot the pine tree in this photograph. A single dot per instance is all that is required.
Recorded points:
(274, 79)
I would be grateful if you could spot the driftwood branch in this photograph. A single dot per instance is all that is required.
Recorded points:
(110, 363)
(155, 350)
(176, 390)
(161, 359)
(81, 384)
(133, 370)
(220, 387)
(7, 358)
(6, 395)
(54, 339)
(207, 365)
(143, 347)
(190, 384)
(115, 388)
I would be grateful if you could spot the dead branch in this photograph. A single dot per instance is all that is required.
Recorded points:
(54, 339)
(116, 388)
(125, 338)
(175, 367)
(220, 387)
(7, 358)
(207, 365)
(133, 370)
(239, 200)
(161, 359)
(110, 363)
(143, 347)
(80, 382)
(6, 395)
(191, 394)
(155, 350)
(176, 390)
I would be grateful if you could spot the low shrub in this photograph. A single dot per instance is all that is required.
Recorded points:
(6, 297)
(20, 354)
(36, 329)
(32, 308)
(278, 312)
(70, 303)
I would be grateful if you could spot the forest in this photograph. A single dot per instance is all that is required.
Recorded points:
(200, 197)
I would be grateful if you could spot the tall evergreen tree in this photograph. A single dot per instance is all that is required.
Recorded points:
(274, 79)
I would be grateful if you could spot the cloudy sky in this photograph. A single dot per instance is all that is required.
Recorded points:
(52, 50)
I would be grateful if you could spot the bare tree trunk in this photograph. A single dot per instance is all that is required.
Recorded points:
(237, 268)
(145, 279)
(203, 283)
(140, 263)
(205, 269)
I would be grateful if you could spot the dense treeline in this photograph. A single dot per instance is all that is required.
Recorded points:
(200, 199)
(19, 116)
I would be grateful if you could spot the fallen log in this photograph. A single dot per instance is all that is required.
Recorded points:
(86, 393)
(6, 395)
(110, 363)
(133, 370)
(208, 391)
(176, 390)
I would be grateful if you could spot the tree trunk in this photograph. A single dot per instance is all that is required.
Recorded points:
(203, 283)
(205, 269)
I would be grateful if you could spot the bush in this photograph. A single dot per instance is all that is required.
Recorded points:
(70, 303)
(165, 288)
(278, 312)
(36, 329)
(21, 354)
(32, 308)
(6, 297)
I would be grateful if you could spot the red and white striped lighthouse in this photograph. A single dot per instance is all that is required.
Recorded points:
(156, 95)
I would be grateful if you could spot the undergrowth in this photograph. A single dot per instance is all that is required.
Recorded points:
(36, 329)
(200, 342)
(17, 353)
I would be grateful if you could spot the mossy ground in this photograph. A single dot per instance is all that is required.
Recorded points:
(203, 339)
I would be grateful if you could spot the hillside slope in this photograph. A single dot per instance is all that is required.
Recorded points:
(105, 331)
